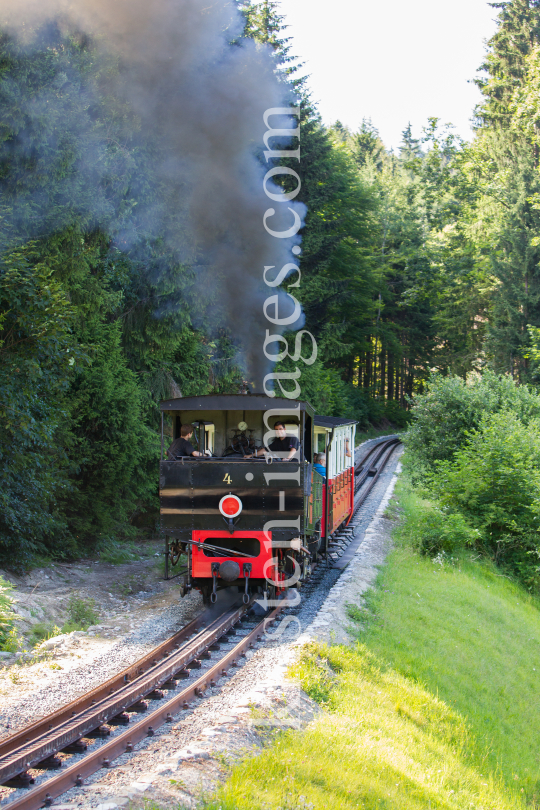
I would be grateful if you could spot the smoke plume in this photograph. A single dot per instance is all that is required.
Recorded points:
(201, 100)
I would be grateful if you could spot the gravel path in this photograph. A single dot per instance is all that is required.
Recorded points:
(184, 761)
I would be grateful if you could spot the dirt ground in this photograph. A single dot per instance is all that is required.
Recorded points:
(134, 608)
(42, 597)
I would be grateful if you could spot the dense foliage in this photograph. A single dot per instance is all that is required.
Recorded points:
(421, 261)
(474, 448)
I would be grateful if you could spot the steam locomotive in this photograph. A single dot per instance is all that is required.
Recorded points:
(258, 523)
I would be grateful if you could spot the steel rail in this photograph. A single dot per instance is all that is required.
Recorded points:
(381, 460)
(361, 464)
(37, 749)
(371, 470)
(58, 717)
(74, 775)
(369, 452)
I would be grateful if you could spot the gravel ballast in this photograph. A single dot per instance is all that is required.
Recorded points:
(185, 761)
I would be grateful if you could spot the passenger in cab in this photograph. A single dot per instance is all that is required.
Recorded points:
(320, 464)
(182, 446)
(282, 443)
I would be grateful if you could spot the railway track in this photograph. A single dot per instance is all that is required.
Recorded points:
(61, 742)
(60, 751)
(370, 466)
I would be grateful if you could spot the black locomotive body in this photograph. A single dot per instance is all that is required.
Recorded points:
(257, 523)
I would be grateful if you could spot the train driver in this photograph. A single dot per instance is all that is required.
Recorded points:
(282, 443)
(182, 446)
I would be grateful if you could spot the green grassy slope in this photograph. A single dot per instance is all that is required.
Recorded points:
(473, 638)
(437, 705)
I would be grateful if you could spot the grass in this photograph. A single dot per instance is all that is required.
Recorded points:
(9, 639)
(470, 635)
(434, 705)
(384, 741)
(117, 553)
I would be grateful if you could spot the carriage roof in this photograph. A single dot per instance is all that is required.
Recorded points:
(330, 422)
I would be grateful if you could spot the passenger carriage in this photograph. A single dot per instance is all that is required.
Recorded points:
(256, 523)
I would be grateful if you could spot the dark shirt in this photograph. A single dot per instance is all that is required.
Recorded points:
(284, 445)
(180, 447)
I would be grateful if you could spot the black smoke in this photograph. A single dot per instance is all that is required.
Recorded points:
(198, 92)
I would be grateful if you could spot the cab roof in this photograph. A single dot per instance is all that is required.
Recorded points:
(234, 402)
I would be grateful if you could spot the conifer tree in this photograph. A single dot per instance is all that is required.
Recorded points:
(505, 167)
(367, 146)
(505, 65)
(338, 275)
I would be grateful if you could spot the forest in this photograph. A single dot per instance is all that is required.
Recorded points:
(415, 265)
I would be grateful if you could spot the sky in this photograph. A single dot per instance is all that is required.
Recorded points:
(393, 61)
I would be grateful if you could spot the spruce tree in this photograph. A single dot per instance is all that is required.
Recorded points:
(505, 163)
(505, 65)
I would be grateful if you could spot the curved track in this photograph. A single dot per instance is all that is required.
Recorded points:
(66, 743)
(370, 466)
(79, 738)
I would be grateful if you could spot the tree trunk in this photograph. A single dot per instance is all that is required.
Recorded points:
(390, 376)
(382, 389)
(367, 373)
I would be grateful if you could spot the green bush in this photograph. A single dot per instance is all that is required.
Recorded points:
(451, 407)
(40, 631)
(474, 445)
(494, 482)
(428, 527)
(82, 614)
(434, 529)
